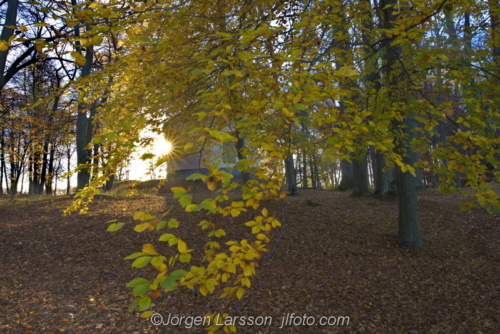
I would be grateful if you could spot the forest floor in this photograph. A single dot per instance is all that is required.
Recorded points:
(66, 274)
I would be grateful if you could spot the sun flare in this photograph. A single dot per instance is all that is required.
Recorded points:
(162, 146)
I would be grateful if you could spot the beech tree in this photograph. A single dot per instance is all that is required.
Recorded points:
(245, 74)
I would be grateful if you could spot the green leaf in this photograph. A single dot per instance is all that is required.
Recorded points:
(173, 223)
(147, 156)
(210, 286)
(115, 227)
(99, 139)
(186, 257)
(168, 283)
(134, 256)
(141, 262)
(146, 314)
(167, 237)
(141, 290)
(185, 200)
(136, 281)
(178, 274)
(161, 224)
(194, 176)
(144, 303)
(156, 261)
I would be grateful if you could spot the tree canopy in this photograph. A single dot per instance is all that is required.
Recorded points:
(415, 81)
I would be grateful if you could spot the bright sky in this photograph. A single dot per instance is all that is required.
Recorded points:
(139, 168)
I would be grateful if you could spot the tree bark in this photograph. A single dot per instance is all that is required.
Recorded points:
(360, 184)
(290, 175)
(305, 182)
(2, 161)
(83, 122)
(408, 228)
(346, 175)
(10, 20)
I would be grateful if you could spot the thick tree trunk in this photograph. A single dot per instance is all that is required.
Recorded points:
(408, 231)
(109, 183)
(7, 32)
(83, 122)
(383, 178)
(346, 175)
(360, 184)
(291, 181)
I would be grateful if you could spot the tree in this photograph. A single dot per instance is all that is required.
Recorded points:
(250, 74)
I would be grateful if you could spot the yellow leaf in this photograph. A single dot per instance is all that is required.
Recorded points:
(267, 147)
(235, 212)
(39, 47)
(141, 227)
(186, 257)
(240, 293)
(79, 59)
(190, 207)
(149, 249)
(3, 46)
(231, 268)
(138, 215)
(248, 271)
(245, 281)
(181, 246)
(211, 183)
(188, 146)
(23, 28)
(264, 212)
(347, 71)
(297, 98)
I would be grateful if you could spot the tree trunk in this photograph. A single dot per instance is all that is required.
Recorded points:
(346, 175)
(50, 174)
(408, 231)
(360, 185)
(2, 161)
(316, 172)
(43, 173)
(7, 32)
(109, 183)
(291, 181)
(305, 183)
(68, 180)
(83, 123)
(313, 174)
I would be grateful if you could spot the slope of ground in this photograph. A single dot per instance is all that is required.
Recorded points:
(67, 274)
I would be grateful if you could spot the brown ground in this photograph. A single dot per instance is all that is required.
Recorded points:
(66, 274)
